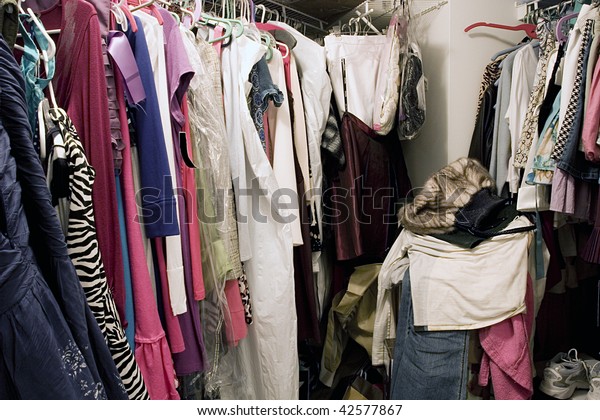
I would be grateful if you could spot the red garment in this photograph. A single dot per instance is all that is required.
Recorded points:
(189, 185)
(152, 350)
(174, 335)
(80, 87)
(506, 357)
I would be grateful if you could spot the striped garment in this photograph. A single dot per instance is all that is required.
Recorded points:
(83, 249)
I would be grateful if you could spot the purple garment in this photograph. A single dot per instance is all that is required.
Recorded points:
(571, 196)
(179, 70)
(179, 74)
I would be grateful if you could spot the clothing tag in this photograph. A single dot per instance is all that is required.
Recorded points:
(344, 83)
(184, 150)
(120, 51)
(539, 254)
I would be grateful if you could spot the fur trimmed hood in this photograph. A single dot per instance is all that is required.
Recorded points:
(434, 208)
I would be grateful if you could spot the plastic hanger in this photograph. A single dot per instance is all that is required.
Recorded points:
(505, 51)
(119, 17)
(363, 17)
(266, 40)
(206, 19)
(264, 12)
(123, 15)
(562, 36)
(130, 17)
(285, 48)
(153, 9)
(51, 45)
(42, 128)
(527, 27)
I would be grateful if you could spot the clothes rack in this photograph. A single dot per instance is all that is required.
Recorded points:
(287, 13)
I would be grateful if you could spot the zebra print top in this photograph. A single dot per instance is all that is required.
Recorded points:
(83, 249)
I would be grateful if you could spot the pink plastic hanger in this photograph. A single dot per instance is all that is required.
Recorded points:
(527, 27)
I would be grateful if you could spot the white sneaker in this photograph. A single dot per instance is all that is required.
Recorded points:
(594, 381)
(564, 374)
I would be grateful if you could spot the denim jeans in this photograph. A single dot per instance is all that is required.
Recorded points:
(428, 365)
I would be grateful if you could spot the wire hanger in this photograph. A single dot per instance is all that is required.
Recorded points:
(529, 29)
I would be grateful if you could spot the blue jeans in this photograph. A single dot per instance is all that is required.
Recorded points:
(428, 365)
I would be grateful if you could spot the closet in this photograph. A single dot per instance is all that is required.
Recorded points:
(262, 200)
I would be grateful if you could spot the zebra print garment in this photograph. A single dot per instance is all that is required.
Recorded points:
(83, 249)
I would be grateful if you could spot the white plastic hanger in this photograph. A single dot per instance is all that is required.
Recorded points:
(285, 48)
(51, 45)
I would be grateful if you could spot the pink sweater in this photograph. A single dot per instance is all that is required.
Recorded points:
(506, 355)
(152, 351)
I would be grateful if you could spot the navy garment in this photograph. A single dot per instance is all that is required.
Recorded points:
(50, 344)
(263, 89)
(428, 365)
(158, 203)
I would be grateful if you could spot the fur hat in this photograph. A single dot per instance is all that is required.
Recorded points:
(434, 208)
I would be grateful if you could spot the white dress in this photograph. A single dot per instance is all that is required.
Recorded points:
(269, 355)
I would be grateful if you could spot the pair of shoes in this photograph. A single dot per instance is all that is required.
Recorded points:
(566, 372)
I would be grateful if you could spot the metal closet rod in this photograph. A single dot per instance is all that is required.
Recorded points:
(287, 12)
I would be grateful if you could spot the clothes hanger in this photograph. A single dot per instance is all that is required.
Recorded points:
(206, 19)
(123, 15)
(363, 17)
(266, 40)
(153, 9)
(505, 51)
(187, 12)
(46, 61)
(527, 27)
(285, 48)
(51, 45)
(119, 16)
(562, 36)
(264, 12)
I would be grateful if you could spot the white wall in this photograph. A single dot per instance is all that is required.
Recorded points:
(454, 62)
(429, 151)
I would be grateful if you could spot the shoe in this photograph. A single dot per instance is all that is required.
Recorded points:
(563, 375)
(594, 381)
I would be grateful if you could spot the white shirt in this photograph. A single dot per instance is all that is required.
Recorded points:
(316, 94)
(522, 83)
(280, 129)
